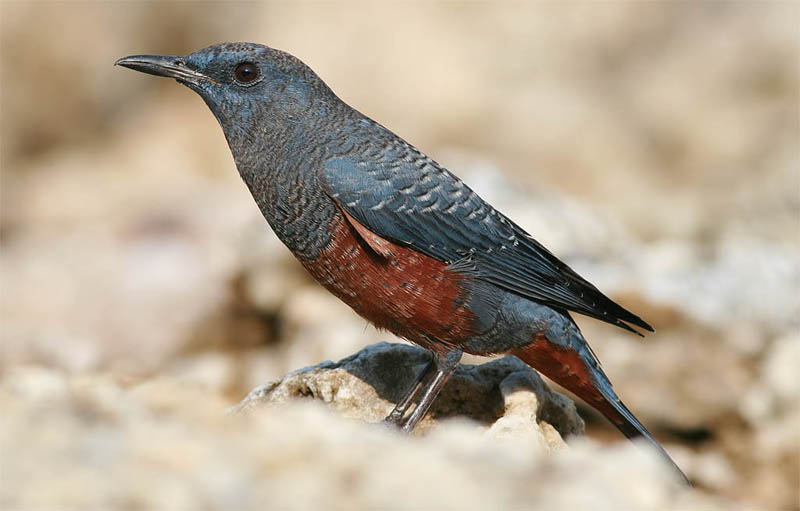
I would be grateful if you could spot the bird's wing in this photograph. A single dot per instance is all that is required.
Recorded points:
(411, 200)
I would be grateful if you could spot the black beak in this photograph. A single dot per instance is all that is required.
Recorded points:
(167, 65)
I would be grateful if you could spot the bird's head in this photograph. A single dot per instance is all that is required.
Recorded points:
(245, 84)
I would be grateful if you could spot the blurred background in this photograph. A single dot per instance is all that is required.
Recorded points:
(653, 146)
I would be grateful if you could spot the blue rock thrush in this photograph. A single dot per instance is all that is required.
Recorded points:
(395, 235)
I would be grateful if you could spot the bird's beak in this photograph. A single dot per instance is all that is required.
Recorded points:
(167, 65)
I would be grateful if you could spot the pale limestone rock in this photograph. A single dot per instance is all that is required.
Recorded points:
(504, 394)
(521, 393)
(162, 444)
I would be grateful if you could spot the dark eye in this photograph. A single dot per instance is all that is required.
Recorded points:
(245, 72)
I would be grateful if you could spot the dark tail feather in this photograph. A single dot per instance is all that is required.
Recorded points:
(619, 415)
(582, 376)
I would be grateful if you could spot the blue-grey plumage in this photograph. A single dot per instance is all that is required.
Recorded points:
(408, 198)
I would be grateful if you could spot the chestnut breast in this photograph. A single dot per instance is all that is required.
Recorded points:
(394, 287)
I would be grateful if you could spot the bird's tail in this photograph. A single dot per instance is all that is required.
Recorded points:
(580, 373)
(619, 415)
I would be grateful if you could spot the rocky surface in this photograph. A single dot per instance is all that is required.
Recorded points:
(93, 442)
(505, 395)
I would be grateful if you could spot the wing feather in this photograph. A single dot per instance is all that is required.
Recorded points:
(415, 202)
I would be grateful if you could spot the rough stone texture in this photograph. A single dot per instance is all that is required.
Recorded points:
(93, 442)
(505, 394)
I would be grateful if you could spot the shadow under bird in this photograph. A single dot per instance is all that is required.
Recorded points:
(395, 235)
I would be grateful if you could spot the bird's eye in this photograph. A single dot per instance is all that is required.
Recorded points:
(245, 72)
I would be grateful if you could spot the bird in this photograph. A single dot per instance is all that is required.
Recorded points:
(395, 235)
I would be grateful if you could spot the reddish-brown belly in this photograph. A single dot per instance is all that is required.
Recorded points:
(396, 288)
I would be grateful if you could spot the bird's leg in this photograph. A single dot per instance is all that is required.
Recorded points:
(445, 366)
(396, 416)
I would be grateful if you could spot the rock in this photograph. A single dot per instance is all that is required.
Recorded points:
(521, 391)
(166, 445)
(504, 394)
